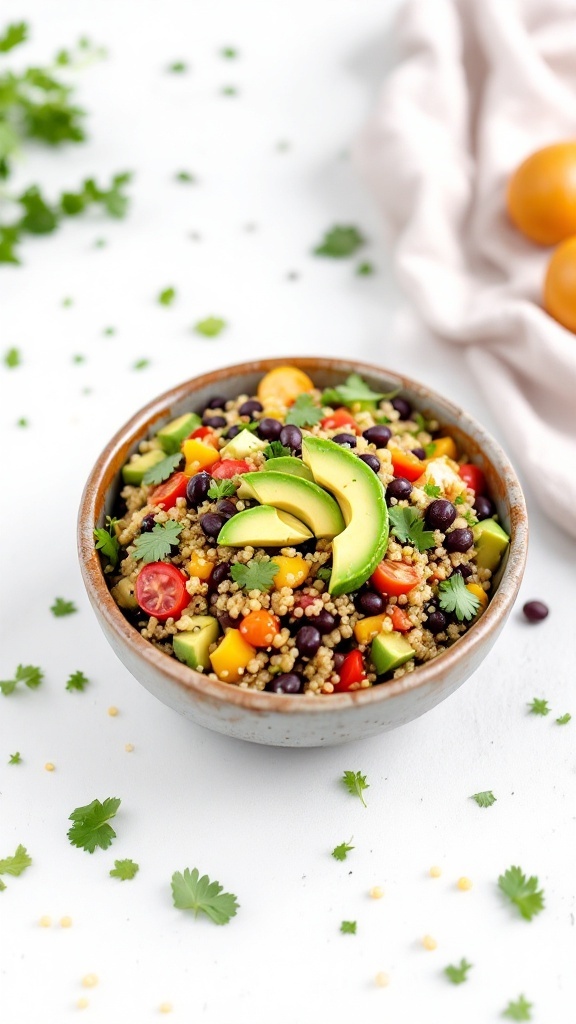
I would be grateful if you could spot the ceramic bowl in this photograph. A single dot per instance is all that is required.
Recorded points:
(296, 720)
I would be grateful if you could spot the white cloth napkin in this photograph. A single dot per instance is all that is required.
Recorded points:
(480, 85)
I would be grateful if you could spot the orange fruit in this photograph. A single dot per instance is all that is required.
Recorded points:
(541, 195)
(560, 285)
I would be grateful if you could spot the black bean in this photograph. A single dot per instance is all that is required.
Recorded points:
(308, 641)
(370, 603)
(233, 431)
(346, 440)
(212, 523)
(226, 621)
(338, 659)
(291, 436)
(226, 508)
(463, 570)
(148, 523)
(249, 408)
(436, 621)
(269, 429)
(324, 622)
(288, 682)
(403, 407)
(535, 611)
(197, 489)
(371, 460)
(483, 507)
(220, 573)
(400, 488)
(218, 402)
(378, 435)
(213, 421)
(459, 540)
(419, 453)
(439, 515)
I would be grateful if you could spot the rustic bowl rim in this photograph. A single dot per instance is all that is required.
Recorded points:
(137, 427)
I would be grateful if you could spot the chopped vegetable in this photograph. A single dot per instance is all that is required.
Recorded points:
(161, 590)
(91, 829)
(395, 578)
(275, 450)
(259, 628)
(192, 892)
(405, 464)
(166, 495)
(232, 656)
(353, 390)
(283, 384)
(522, 891)
(355, 784)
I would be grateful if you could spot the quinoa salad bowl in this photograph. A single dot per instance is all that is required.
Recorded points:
(302, 552)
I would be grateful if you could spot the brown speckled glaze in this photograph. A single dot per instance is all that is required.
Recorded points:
(284, 720)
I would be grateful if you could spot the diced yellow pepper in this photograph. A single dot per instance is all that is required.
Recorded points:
(232, 655)
(444, 446)
(200, 566)
(293, 571)
(478, 592)
(366, 629)
(283, 383)
(198, 456)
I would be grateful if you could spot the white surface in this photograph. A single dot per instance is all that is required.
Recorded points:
(261, 821)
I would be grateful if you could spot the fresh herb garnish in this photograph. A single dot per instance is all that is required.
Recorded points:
(30, 675)
(564, 719)
(348, 927)
(432, 490)
(453, 596)
(13, 35)
(77, 681)
(340, 242)
(228, 52)
(162, 470)
(364, 269)
(458, 974)
(459, 500)
(255, 575)
(324, 573)
(17, 864)
(275, 449)
(522, 891)
(15, 758)
(229, 90)
(185, 177)
(519, 1009)
(470, 518)
(178, 67)
(356, 784)
(304, 412)
(429, 449)
(211, 327)
(12, 357)
(124, 869)
(408, 526)
(221, 489)
(91, 828)
(190, 892)
(539, 707)
(354, 389)
(107, 542)
(156, 545)
(22, 422)
(62, 607)
(141, 364)
(167, 296)
(341, 852)
(484, 799)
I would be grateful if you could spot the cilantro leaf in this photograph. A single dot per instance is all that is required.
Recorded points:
(453, 596)
(178, 67)
(356, 784)
(90, 828)
(167, 296)
(255, 575)
(275, 449)
(107, 542)
(458, 974)
(140, 364)
(364, 269)
(522, 891)
(38, 217)
(156, 545)
(14, 34)
(221, 489)
(124, 869)
(539, 707)
(408, 526)
(162, 470)
(185, 176)
(348, 927)
(30, 675)
(324, 573)
(190, 892)
(211, 327)
(432, 490)
(77, 681)
(520, 1009)
(22, 422)
(304, 412)
(9, 235)
(340, 242)
(15, 758)
(229, 52)
(12, 358)
(62, 607)
(564, 719)
(459, 500)
(17, 864)
(484, 799)
(341, 852)
(354, 389)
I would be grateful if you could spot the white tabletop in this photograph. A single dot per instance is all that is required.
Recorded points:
(272, 175)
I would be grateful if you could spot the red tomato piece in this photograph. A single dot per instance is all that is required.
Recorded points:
(161, 590)
(165, 494)
(400, 619)
(473, 477)
(394, 578)
(351, 672)
(227, 468)
(340, 418)
(206, 435)
(405, 464)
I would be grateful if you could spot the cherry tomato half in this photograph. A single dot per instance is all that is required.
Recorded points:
(340, 418)
(260, 628)
(161, 590)
(165, 494)
(405, 464)
(473, 477)
(206, 435)
(351, 672)
(394, 578)
(227, 468)
(400, 620)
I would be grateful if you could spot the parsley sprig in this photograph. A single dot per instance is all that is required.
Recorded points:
(30, 675)
(156, 545)
(522, 892)
(304, 412)
(408, 526)
(162, 470)
(192, 892)
(255, 575)
(453, 596)
(356, 784)
(91, 829)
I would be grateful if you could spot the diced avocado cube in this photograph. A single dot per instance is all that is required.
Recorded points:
(242, 445)
(191, 646)
(133, 471)
(287, 464)
(172, 435)
(490, 541)
(389, 650)
(123, 594)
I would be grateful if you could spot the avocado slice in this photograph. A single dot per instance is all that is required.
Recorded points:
(389, 650)
(263, 526)
(490, 541)
(299, 497)
(360, 547)
(191, 646)
(172, 435)
(133, 471)
(287, 464)
(242, 445)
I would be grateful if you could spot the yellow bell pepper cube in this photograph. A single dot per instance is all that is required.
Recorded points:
(292, 573)
(444, 446)
(366, 629)
(198, 456)
(200, 566)
(478, 592)
(231, 656)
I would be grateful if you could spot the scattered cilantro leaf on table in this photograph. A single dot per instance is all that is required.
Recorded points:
(340, 242)
(141, 364)
(458, 974)
(304, 412)
(190, 892)
(522, 891)
(17, 864)
(22, 422)
(221, 489)
(186, 177)
(30, 675)
(77, 681)
(167, 296)
(162, 470)
(348, 927)
(356, 784)
(539, 707)
(453, 596)
(354, 389)
(228, 52)
(156, 545)
(91, 828)
(109, 331)
(107, 542)
(178, 67)
(341, 852)
(210, 327)
(564, 719)
(365, 269)
(255, 575)
(408, 526)
(275, 450)
(432, 490)
(484, 799)
(62, 607)
(124, 869)
(14, 34)
(519, 1009)
(12, 358)
(15, 758)
(229, 90)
